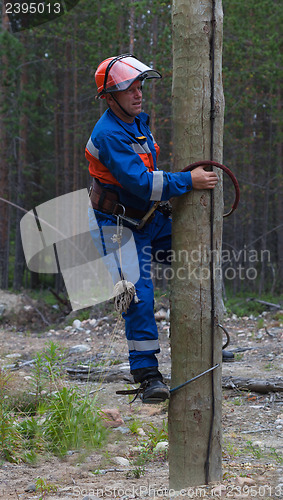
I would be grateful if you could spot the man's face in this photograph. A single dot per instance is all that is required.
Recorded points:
(130, 100)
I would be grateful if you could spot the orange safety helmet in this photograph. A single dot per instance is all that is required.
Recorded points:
(118, 73)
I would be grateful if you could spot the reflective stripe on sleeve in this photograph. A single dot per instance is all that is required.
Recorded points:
(157, 185)
(145, 146)
(143, 345)
(137, 148)
(92, 149)
(140, 149)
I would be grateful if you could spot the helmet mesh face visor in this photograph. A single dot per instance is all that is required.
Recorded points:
(125, 71)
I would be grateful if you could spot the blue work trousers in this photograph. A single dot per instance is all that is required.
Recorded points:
(154, 239)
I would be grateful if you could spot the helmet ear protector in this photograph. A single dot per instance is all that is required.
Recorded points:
(122, 77)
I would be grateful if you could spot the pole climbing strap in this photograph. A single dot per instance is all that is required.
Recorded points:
(213, 163)
(143, 385)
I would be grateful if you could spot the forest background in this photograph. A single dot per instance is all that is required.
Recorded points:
(48, 110)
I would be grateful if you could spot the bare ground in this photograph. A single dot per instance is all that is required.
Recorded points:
(252, 422)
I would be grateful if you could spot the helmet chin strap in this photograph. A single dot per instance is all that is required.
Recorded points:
(121, 107)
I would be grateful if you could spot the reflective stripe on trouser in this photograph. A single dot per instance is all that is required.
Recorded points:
(143, 345)
(140, 325)
(141, 329)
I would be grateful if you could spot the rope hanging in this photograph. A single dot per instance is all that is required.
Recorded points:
(124, 293)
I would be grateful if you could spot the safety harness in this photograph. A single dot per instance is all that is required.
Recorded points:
(107, 201)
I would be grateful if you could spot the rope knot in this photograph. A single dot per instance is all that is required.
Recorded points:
(124, 293)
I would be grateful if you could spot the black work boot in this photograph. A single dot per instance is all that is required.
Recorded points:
(154, 390)
(227, 356)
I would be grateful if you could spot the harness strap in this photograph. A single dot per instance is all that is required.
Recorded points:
(137, 392)
(107, 201)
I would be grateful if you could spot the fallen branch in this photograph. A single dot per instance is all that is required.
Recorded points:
(104, 471)
(268, 304)
(99, 374)
(267, 429)
(274, 384)
(114, 374)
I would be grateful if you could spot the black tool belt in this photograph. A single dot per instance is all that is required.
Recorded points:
(107, 201)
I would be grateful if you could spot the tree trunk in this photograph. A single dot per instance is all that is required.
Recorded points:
(58, 146)
(57, 129)
(195, 410)
(67, 119)
(132, 28)
(21, 167)
(153, 93)
(267, 118)
(279, 207)
(76, 162)
(4, 170)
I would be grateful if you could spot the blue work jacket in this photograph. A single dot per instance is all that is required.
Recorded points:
(126, 162)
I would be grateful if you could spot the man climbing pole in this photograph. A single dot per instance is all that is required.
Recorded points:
(122, 155)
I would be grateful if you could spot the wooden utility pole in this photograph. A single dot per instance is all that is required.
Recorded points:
(196, 303)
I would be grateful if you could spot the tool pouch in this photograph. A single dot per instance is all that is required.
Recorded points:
(165, 208)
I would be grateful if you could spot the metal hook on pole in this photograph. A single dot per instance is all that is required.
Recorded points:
(193, 379)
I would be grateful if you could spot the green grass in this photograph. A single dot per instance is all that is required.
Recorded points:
(65, 421)
(241, 305)
(33, 423)
(42, 295)
(254, 450)
(279, 316)
(72, 422)
(235, 446)
(156, 434)
(134, 425)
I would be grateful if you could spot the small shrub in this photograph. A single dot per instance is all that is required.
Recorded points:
(10, 438)
(47, 368)
(134, 425)
(144, 456)
(136, 473)
(254, 449)
(72, 422)
(274, 454)
(33, 442)
(156, 435)
(11, 442)
(260, 323)
(43, 487)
